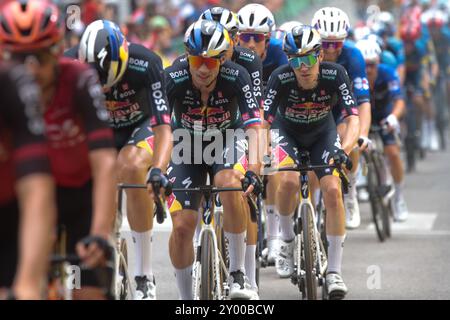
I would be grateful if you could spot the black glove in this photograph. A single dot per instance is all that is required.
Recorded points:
(102, 243)
(251, 178)
(341, 158)
(158, 180)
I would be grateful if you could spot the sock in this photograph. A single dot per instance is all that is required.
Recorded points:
(236, 249)
(143, 253)
(273, 222)
(184, 282)
(398, 190)
(287, 227)
(335, 249)
(250, 264)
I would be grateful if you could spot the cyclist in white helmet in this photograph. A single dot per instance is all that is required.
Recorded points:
(333, 25)
(256, 26)
(388, 106)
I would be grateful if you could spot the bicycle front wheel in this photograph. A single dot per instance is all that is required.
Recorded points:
(309, 251)
(207, 280)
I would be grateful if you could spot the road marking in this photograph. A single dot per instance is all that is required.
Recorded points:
(417, 221)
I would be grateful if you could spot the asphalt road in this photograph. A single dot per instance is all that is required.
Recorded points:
(413, 264)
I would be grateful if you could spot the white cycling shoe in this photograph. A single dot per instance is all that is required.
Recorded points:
(336, 287)
(284, 263)
(145, 289)
(272, 246)
(400, 209)
(240, 288)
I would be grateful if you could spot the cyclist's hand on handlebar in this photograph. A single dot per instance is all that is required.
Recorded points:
(392, 123)
(341, 158)
(251, 183)
(158, 181)
(94, 251)
(364, 143)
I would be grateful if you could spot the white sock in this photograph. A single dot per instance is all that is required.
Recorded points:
(250, 264)
(237, 246)
(398, 190)
(287, 227)
(143, 253)
(273, 222)
(335, 249)
(184, 283)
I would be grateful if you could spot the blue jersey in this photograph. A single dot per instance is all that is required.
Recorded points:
(385, 91)
(352, 60)
(275, 57)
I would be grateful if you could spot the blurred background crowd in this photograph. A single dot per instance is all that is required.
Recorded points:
(159, 25)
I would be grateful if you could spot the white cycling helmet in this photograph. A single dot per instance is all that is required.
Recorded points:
(256, 18)
(288, 26)
(331, 22)
(360, 33)
(386, 17)
(369, 49)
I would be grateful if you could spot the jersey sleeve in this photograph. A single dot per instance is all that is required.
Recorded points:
(357, 74)
(346, 99)
(26, 123)
(272, 97)
(246, 100)
(91, 101)
(159, 106)
(394, 87)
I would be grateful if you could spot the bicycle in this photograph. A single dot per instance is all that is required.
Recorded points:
(210, 268)
(380, 192)
(310, 258)
(123, 284)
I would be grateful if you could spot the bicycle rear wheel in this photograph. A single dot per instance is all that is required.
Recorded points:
(309, 251)
(123, 282)
(207, 280)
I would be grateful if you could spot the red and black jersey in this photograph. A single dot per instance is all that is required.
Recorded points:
(22, 144)
(76, 122)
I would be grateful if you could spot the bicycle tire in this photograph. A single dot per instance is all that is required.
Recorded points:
(207, 268)
(309, 252)
(223, 251)
(376, 202)
(124, 290)
(385, 213)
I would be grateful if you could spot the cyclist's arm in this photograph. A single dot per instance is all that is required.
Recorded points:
(365, 118)
(160, 114)
(252, 120)
(102, 154)
(346, 101)
(396, 95)
(34, 187)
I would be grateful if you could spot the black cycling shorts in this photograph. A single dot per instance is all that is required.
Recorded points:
(9, 243)
(320, 145)
(184, 172)
(140, 136)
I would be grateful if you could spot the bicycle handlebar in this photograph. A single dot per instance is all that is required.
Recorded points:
(160, 212)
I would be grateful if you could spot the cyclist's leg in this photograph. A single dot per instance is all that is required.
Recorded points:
(134, 161)
(328, 144)
(228, 174)
(284, 149)
(392, 152)
(351, 204)
(75, 214)
(183, 208)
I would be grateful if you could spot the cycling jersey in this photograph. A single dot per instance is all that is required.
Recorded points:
(76, 123)
(138, 101)
(302, 119)
(251, 62)
(22, 144)
(388, 58)
(353, 62)
(385, 92)
(230, 105)
(395, 46)
(307, 111)
(275, 57)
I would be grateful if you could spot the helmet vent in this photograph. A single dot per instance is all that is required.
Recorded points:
(263, 21)
(252, 18)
